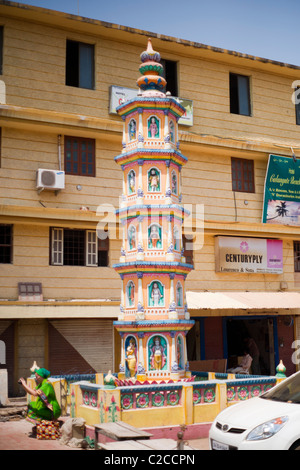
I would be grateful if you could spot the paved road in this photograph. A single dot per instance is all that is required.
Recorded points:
(14, 436)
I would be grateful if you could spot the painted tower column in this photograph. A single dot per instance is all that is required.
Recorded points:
(151, 269)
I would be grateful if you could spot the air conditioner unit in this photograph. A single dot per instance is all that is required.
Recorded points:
(50, 179)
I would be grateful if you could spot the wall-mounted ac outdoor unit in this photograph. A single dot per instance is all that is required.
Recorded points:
(50, 179)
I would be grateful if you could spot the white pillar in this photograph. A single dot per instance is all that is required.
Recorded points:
(185, 356)
(140, 253)
(140, 291)
(123, 301)
(179, 185)
(140, 307)
(173, 350)
(141, 130)
(140, 191)
(123, 249)
(172, 295)
(173, 315)
(122, 364)
(170, 248)
(124, 136)
(166, 124)
(168, 185)
(167, 131)
(141, 366)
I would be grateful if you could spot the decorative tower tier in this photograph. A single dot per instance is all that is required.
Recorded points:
(154, 319)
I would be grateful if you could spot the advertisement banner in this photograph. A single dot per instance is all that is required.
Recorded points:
(282, 191)
(248, 255)
(119, 95)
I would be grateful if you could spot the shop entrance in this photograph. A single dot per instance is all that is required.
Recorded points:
(263, 334)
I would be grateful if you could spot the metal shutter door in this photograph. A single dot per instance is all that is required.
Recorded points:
(80, 346)
(7, 334)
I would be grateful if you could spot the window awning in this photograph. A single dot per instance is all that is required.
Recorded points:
(243, 300)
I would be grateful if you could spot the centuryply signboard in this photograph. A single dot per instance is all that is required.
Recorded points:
(248, 255)
(282, 191)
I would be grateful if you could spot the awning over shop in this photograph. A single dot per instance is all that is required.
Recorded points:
(243, 300)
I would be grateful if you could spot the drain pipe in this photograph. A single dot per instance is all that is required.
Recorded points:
(59, 151)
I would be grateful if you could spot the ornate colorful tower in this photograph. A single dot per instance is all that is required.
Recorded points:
(154, 319)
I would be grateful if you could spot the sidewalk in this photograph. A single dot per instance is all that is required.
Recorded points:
(14, 436)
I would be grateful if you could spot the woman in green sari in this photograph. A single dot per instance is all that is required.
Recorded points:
(45, 407)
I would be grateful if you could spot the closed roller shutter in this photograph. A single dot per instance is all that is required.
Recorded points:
(80, 346)
(7, 335)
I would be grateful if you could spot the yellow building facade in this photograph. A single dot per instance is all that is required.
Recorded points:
(61, 78)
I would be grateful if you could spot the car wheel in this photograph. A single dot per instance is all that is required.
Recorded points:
(295, 446)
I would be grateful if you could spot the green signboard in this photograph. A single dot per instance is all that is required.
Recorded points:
(282, 191)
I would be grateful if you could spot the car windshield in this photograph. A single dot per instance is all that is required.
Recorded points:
(288, 391)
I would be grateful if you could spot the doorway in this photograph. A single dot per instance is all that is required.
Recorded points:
(263, 332)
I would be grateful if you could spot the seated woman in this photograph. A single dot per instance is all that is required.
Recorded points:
(46, 406)
(244, 366)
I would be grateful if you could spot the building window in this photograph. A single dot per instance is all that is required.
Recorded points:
(79, 156)
(297, 256)
(71, 247)
(242, 172)
(6, 243)
(1, 50)
(170, 74)
(239, 94)
(297, 105)
(30, 291)
(74, 247)
(80, 64)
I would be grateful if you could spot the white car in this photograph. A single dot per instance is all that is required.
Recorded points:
(268, 422)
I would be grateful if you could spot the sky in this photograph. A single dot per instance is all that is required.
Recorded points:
(262, 28)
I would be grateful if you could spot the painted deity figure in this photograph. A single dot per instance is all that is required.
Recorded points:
(131, 182)
(130, 293)
(153, 128)
(156, 295)
(154, 239)
(153, 180)
(131, 357)
(132, 237)
(132, 130)
(157, 356)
